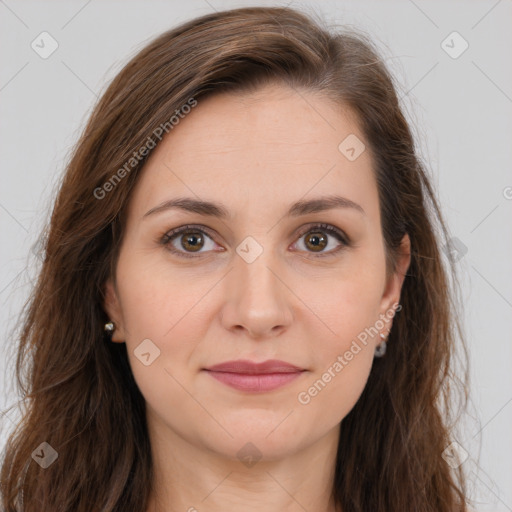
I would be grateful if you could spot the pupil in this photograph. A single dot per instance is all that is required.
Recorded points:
(317, 241)
(192, 241)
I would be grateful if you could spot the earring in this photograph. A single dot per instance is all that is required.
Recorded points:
(381, 348)
(109, 328)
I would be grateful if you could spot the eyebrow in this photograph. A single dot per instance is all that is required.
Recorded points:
(208, 208)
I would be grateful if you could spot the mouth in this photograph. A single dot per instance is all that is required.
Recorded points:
(255, 377)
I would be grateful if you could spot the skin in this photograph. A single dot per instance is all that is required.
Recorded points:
(257, 154)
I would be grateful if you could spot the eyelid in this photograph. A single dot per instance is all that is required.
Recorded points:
(333, 230)
(310, 227)
(186, 227)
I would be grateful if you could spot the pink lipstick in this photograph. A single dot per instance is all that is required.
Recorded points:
(246, 375)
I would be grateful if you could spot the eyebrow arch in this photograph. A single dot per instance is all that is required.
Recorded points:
(297, 209)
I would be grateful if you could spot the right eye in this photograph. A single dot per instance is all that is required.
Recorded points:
(188, 238)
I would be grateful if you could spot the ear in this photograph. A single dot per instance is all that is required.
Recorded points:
(395, 281)
(113, 309)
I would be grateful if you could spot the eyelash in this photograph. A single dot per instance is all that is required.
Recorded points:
(338, 234)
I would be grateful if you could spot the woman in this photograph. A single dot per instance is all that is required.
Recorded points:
(242, 230)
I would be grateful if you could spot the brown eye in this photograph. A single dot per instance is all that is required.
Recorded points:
(192, 241)
(316, 241)
(187, 240)
(317, 238)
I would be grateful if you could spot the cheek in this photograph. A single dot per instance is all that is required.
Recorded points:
(330, 396)
(346, 302)
(162, 309)
(344, 312)
(343, 354)
(155, 301)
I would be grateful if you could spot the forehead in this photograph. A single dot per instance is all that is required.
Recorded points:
(270, 120)
(268, 146)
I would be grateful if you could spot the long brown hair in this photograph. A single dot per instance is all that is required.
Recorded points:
(79, 394)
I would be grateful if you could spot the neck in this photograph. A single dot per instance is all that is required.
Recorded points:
(189, 477)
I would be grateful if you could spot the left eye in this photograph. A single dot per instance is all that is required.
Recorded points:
(194, 238)
(315, 238)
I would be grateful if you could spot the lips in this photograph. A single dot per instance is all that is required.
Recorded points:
(255, 377)
(251, 368)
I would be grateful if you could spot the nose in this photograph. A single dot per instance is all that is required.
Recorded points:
(258, 299)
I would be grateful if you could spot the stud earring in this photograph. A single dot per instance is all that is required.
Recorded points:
(381, 348)
(109, 328)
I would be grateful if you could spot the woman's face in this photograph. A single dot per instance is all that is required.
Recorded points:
(261, 282)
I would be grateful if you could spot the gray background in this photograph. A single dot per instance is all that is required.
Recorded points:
(461, 114)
